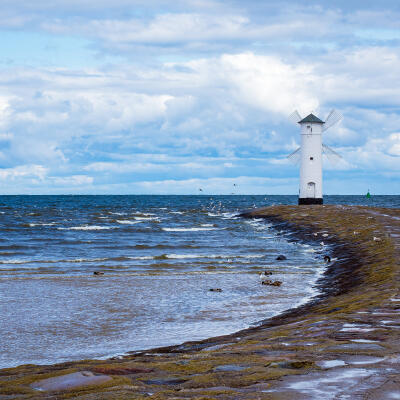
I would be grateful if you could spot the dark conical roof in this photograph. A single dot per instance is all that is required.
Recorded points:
(311, 118)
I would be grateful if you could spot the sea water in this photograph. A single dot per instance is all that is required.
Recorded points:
(160, 256)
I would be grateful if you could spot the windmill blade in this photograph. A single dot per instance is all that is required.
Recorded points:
(333, 118)
(295, 157)
(295, 117)
(332, 156)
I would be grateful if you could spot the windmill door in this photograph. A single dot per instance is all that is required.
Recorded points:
(311, 190)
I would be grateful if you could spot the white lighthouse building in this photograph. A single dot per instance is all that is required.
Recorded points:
(311, 160)
(309, 155)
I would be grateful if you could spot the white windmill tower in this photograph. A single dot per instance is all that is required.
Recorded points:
(309, 154)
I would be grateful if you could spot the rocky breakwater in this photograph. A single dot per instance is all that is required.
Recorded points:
(343, 344)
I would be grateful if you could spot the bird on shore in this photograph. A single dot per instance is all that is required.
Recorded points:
(264, 274)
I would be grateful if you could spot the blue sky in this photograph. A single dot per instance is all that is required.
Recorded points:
(150, 97)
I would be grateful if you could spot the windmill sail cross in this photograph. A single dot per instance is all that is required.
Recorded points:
(331, 154)
(333, 118)
(295, 156)
(294, 117)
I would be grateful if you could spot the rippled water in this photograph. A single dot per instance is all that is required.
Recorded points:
(160, 256)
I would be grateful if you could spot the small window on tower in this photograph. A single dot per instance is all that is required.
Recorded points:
(308, 126)
(311, 158)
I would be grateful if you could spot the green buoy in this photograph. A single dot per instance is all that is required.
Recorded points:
(368, 195)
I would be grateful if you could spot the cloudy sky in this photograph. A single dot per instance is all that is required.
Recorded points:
(161, 97)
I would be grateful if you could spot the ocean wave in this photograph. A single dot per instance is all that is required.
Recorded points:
(310, 251)
(73, 260)
(190, 229)
(183, 256)
(224, 257)
(86, 228)
(144, 214)
(79, 260)
(127, 222)
(163, 246)
(42, 224)
(15, 261)
(147, 218)
(230, 215)
(13, 247)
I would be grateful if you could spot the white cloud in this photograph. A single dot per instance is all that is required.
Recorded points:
(74, 180)
(217, 116)
(268, 83)
(23, 171)
(394, 144)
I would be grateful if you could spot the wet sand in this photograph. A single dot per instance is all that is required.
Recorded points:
(344, 344)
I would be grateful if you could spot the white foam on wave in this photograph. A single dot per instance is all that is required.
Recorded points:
(258, 224)
(144, 214)
(73, 260)
(146, 218)
(78, 260)
(230, 215)
(86, 228)
(42, 224)
(190, 229)
(14, 262)
(127, 222)
(251, 256)
(310, 251)
(212, 256)
(182, 256)
(225, 256)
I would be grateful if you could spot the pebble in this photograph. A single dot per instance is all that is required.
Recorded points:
(271, 283)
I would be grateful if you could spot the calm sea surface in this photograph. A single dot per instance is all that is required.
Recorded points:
(160, 256)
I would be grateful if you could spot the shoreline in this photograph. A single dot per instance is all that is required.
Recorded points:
(323, 283)
(274, 358)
